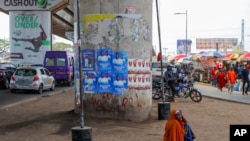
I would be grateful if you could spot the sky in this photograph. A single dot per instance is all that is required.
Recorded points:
(206, 19)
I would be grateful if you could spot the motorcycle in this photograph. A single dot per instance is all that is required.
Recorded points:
(182, 90)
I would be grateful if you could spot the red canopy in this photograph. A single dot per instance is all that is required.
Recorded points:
(179, 56)
(245, 56)
(227, 56)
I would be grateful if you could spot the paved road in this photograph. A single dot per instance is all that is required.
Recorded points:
(213, 92)
(9, 99)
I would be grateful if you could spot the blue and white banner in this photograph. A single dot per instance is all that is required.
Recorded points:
(120, 82)
(104, 59)
(119, 62)
(104, 82)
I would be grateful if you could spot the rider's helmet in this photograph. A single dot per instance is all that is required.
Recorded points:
(169, 67)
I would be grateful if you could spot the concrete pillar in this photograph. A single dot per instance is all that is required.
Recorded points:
(131, 33)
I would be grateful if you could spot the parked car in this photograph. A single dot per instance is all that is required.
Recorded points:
(156, 70)
(32, 78)
(6, 71)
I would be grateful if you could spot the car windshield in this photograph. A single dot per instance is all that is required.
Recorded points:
(158, 64)
(25, 72)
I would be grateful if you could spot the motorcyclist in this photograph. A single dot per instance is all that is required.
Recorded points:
(170, 79)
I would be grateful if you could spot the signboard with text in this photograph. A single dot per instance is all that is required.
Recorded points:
(29, 4)
(216, 43)
(30, 36)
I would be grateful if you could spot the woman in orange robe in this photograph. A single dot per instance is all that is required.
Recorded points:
(174, 128)
(221, 79)
(231, 77)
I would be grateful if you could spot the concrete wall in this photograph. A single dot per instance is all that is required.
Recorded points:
(134, 38)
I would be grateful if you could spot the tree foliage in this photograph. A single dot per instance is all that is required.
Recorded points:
(4, 46)
(61, 46)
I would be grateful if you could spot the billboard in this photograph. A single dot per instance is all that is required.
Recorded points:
(216, 43)
(30, 36)
(30, 4)
(183, 46)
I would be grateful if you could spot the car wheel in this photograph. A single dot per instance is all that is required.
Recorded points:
(40, 89)
(6, 83)
(52, 87)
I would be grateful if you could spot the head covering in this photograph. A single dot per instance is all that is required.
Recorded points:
(174, 129)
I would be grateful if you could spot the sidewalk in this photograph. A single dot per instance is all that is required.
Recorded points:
(213, 92)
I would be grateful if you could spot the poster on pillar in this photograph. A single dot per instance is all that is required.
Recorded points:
(30, 36)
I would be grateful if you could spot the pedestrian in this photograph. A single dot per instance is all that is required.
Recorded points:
(221, 79)
(175, 128)
(231, 79)
(213, 72)
(245, 80)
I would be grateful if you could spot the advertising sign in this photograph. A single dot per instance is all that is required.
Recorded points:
(30, 36)
(29, 4)
(216, 43)
(184, 46)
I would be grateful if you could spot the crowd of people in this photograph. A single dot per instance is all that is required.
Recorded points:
(235, 74)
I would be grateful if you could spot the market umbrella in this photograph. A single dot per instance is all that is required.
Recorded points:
(212, 54)
(179, 56)
(195, 57)
(245, 56)
(235, 56)
(184, 60)
(170, 57)
(227, 56)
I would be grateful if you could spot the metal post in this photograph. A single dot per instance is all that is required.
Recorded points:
(159, 33)
(186, 30)
(80, 133)
(80, 65)
(186, 36)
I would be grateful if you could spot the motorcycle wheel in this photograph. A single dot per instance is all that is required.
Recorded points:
(195, 95)
(168, 95)
(156, 93)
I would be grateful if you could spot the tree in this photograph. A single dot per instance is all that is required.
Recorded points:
(4, 46)
(62, 46)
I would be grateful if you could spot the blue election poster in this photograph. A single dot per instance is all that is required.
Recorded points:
(104, 59)
(90, 82)
(119, 62)
(120, 82)
(88, 60)
(104, 82)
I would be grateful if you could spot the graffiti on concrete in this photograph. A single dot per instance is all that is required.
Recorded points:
(109, 102)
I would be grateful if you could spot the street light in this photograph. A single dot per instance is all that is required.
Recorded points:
(186, 30)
